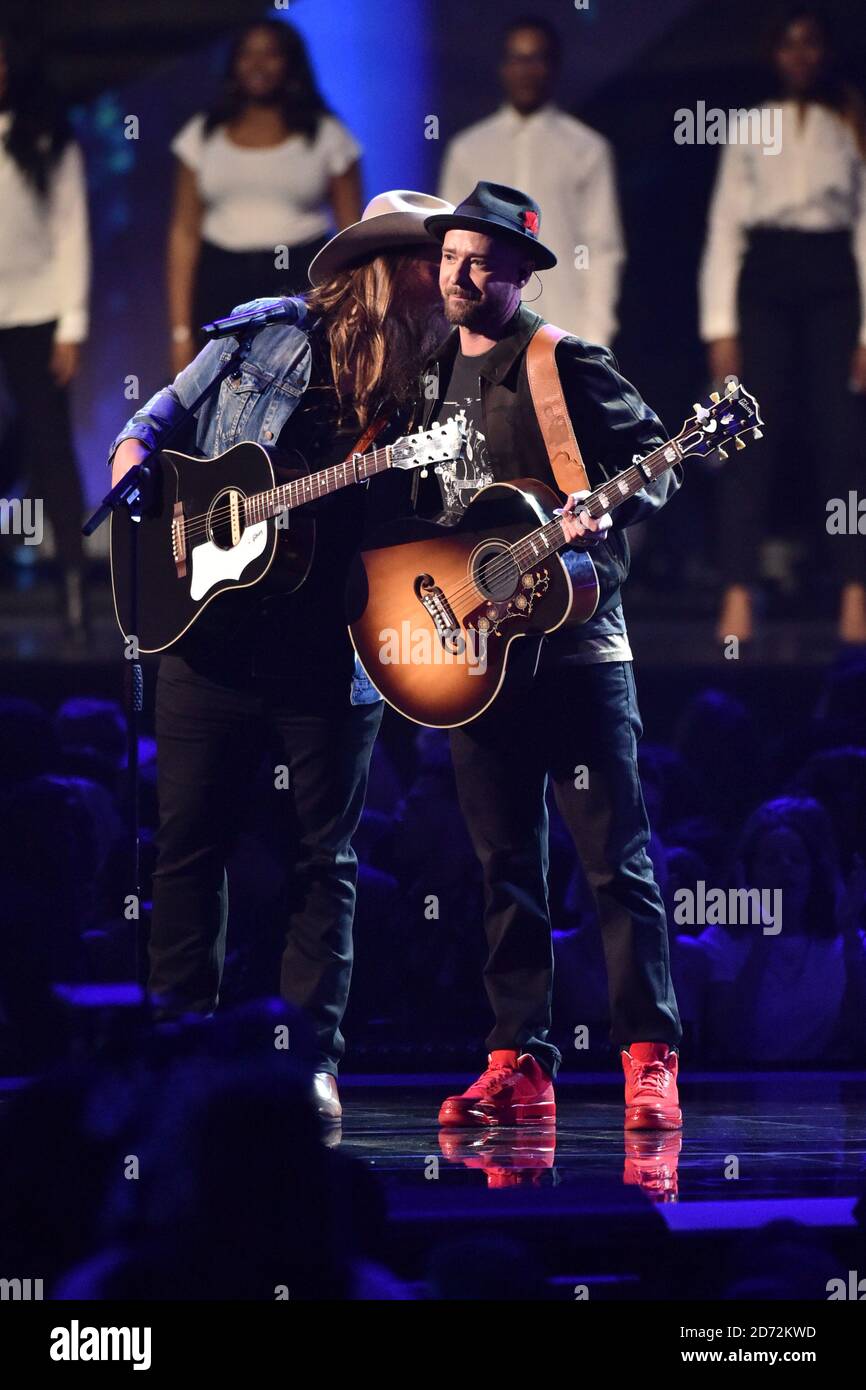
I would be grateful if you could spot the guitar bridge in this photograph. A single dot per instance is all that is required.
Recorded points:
(178, 540)
(444, 619)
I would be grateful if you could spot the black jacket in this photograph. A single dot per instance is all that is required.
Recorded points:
(611, 423)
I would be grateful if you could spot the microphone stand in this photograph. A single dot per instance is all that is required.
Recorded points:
(132, 493)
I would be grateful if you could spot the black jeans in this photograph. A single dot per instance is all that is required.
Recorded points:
(570, 717)
(209, 734)
(799, 307)
(40, 446)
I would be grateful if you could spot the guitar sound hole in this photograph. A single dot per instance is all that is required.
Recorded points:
(219, 518)
(495, 572)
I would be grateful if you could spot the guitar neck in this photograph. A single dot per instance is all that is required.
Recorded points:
(310, 486)
(538, 545)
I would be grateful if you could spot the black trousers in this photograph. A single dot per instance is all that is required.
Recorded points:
(570, 717)
(210, 737)
(227, 278)
(39, 447)
(799, 307)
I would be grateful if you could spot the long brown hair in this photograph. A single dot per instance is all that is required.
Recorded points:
(376, 348)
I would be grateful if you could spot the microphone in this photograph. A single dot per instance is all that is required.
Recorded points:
(257, 314)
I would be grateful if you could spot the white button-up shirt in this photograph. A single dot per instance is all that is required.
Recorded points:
(816, 183)
(569, 170)
(44, 245)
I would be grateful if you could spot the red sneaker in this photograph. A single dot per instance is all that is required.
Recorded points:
(651, 1161)
(651, 1098)
(512, 1091)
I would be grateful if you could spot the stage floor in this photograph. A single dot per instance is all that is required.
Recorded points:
(782, 1141)
(764, 1163)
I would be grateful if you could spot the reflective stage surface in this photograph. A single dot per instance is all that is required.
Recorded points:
(782, 1137)
(631, 1215)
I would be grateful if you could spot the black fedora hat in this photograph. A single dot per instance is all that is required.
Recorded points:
(498, 210)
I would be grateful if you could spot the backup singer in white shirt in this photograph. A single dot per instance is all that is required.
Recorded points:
(815, 183)
(566, 167)
(783, 291)
(45, 248)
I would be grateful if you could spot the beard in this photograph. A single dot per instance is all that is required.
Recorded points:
(465, 313)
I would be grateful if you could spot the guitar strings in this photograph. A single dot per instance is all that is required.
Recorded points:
(205, 520)
(498, 570)
(469, 587)
(202, 521)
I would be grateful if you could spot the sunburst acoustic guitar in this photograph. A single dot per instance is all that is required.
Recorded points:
(434, 610)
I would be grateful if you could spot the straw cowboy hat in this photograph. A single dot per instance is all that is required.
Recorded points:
(391, 219)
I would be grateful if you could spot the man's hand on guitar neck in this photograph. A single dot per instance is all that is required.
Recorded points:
(579, 526)
(127, 455)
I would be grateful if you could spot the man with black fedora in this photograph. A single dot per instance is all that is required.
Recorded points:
(511, 374)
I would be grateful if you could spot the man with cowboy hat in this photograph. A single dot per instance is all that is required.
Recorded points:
(279, 665)
(576, 722)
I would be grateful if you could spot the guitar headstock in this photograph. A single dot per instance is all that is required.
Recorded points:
(732, 417)
(439, 444)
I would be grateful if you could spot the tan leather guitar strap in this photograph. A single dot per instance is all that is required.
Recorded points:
(363, 444)
(554, 420)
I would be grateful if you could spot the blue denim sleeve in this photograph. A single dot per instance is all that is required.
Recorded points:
(162, 411)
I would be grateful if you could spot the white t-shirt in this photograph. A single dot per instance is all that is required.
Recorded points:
(44, 245)
(256, 199)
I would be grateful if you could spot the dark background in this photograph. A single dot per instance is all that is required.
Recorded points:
(386, 65)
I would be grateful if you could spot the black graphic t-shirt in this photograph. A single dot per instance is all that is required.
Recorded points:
(459, 481)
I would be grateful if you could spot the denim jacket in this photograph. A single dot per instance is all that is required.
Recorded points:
(253, 405)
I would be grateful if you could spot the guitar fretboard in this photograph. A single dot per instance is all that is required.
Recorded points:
(538, 545)
(310, 486)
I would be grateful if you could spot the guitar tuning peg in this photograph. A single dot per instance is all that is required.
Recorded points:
(721, 453)
(757, 434)
(739, 443)
(715, 397)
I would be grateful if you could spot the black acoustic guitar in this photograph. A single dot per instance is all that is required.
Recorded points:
(212, 525)
(434, 609)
